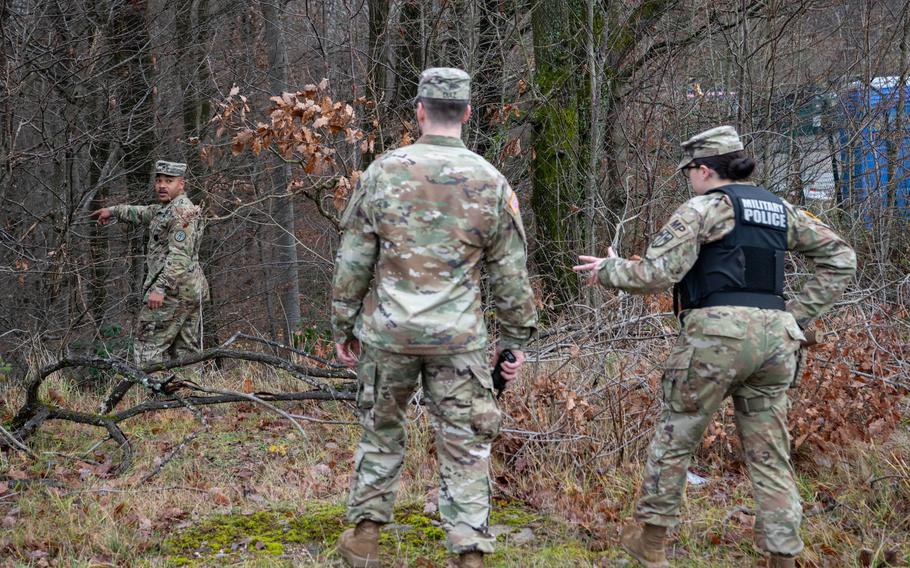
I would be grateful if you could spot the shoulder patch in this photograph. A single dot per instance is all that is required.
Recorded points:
(180, 236)
(678, 228)
(663, 237)
(810, 214)
(515, 214)
(513, 201)
(671, 235)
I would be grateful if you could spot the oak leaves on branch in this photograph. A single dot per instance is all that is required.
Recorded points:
(304, 128)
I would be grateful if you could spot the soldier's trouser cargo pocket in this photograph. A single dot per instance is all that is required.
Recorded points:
(485, 414)
(155, 332)
(796, 334)
(678, 392)
(173, 330)
(366, 388)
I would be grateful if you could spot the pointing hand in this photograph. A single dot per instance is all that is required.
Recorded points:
(103, 215)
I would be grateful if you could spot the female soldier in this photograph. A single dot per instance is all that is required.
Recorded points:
(723, 250)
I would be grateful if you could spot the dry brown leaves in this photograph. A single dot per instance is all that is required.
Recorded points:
(842, 398)
(301, 126)
(306, 128)
(298, 125)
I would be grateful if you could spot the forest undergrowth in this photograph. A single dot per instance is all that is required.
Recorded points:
(252, 490)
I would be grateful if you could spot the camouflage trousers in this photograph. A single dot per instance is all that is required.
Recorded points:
(171, 331)
(750, 355)
(458, 392)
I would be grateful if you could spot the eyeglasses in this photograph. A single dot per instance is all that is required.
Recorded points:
(689, 166)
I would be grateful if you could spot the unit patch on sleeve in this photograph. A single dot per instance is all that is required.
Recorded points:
(513, 202)
(663, 237)
(180, 236)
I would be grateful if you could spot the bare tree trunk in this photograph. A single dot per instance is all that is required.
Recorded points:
(409, 58)
(283, 207)
(6, 110)
(266, 293)
(453, 47)
(488, 73)
(130, 34)
(591, 174)
(560, 135)
(99, 248)
(376, 74)
(192, 26)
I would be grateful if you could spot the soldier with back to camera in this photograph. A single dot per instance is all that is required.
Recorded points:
(422, 222)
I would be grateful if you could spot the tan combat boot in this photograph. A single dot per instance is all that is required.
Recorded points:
(775, 561)
(467, 560)
(359, 546)
(646, 544)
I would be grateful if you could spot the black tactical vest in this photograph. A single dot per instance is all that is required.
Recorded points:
(746, 267)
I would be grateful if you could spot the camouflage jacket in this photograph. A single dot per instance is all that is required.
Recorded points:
(421, 222)
(172, 261)
(708, 218)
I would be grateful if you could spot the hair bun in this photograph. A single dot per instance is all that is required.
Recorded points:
(741, 168)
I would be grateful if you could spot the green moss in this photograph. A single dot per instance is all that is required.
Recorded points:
(428, 527)
(512, 514)
(265, 533)
(413, 537)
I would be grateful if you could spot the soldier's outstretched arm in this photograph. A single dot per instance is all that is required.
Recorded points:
(834, 260)
(354, 264)
(506, 263)
(135, 214)
(671, 252)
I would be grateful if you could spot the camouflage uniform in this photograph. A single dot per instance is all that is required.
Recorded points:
(172, 269)
(421, 223)
(743, 352)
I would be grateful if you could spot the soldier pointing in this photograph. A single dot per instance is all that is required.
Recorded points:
(406, 300)
(723, 250)
(170, 321)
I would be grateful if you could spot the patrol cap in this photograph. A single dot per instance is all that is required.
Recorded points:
(713, 142)
(173, 169)
(446, 83)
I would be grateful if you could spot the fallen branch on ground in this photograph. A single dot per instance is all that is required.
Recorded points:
(35, 412)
